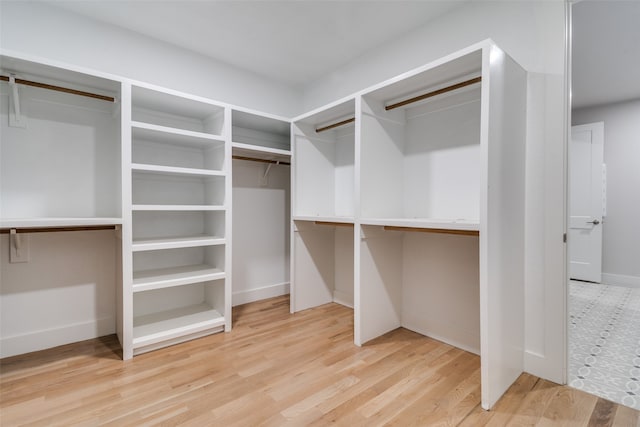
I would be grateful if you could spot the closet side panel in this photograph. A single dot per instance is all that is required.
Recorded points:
(344, 265)
(380, 282)
(502, 237)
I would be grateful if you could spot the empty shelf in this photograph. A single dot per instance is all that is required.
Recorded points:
(176, 242)
(260, 152)
(173, 170)
(163, 326)
(425, 223)
(177, 208)
(174, 276)
(57, 222)
(340, 219)
(174, 135)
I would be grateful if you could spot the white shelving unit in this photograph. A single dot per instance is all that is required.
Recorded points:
(434, 185)
(260, 137)
(177, 280)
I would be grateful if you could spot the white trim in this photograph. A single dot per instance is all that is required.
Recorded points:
(621, 280)
(257, 294)
(54, 337)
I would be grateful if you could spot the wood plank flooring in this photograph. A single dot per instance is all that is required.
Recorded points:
(278, 369)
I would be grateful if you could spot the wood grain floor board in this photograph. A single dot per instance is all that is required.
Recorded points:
(280, 369)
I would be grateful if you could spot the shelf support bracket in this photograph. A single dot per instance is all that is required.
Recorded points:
(265, 177)
(16, 119)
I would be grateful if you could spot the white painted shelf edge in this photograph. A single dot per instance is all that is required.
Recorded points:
(140, 167)
(340, 219)
(260, 149)
(57, 222)
(444, 224)
(176, 131)
(157, 327)
(174, 276)
(176, 242)
(177, 208)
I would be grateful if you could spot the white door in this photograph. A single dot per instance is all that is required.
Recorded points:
(586, 155)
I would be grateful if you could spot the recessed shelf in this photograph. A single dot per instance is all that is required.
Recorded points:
(259, 152)
(166, 325)
(178, 208)
(166, 134)
(174, 276)
(176, 242)
(172, 170)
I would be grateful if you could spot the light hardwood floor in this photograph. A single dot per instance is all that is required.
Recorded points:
(278, 369)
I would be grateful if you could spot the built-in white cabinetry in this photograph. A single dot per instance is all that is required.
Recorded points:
(177, 281)
(432, 178)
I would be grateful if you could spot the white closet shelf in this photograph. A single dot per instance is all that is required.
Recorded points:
(173, 170)
(174, 276)
(175, 242)
(340, 219)
(177, 207)
(163, 326)
(259, 152)
(173, 135)
(443, 224)
(56, 222)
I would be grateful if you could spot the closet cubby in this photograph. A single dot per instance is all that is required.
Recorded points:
(173, 151)
(424, 282)
(260, 136)
(164, 190)
(422, 162)
(324, 164)
(163, 110)
(171, 315)
(323, 271)
(48, 133)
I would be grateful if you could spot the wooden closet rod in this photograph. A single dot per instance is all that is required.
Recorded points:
(433, 230)
(335, 125)
(56, 229)
(433, 93)
(251, 159)
(337, 224)
(60, 89)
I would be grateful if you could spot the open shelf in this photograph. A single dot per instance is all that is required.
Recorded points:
(178, 207)
(56, 222)
(260, 131)
(151, 188)
(171, 170)
(338, 219)
(175, 276)
(176, 242)
(258, 152)
(165, 109)
(154, 328)
(461, 225)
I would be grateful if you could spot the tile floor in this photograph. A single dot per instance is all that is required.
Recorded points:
(604, 341)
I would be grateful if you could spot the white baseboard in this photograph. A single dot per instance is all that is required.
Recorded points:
(48, 338)
(621, 280)
(257, 294)
(343, 298)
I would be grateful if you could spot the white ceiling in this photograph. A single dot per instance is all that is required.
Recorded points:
(606, 52)
(294, 42)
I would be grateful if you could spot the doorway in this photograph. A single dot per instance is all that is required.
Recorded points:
(604, 306)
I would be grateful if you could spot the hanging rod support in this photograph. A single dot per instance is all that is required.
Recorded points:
(335, 125)
(434, 93)
(16, 97)
(59, 89)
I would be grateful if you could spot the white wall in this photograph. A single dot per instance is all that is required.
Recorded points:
(620, 232)
(532, 32)
(51, 33)
(261, 215)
